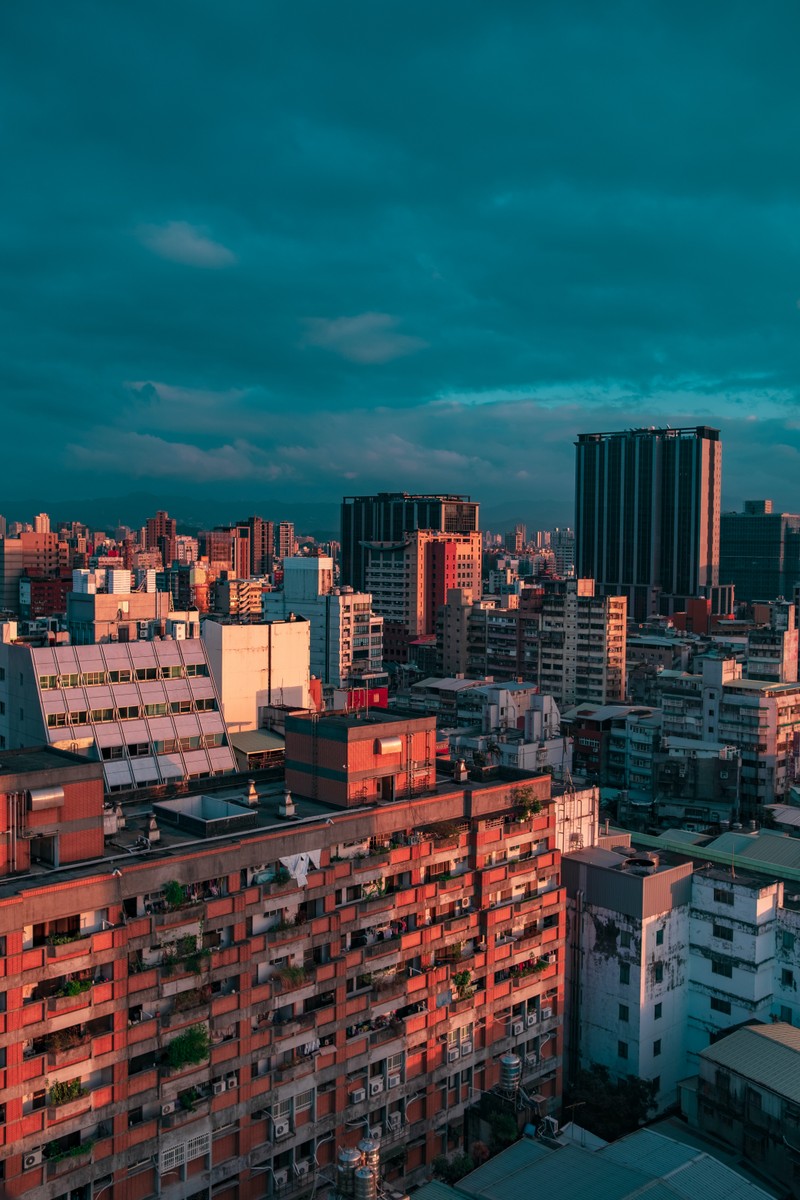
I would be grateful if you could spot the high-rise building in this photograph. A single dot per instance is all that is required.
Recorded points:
(262, 545)
(562, 543)
(41, 523)
(647, 515)
(286, 540)
(582, 645)
(387, 516)
(160, 533)
(760, 551)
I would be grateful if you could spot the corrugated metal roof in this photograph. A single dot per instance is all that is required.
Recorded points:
(254, 740)
(732, 843)
(684, 835)
(568, 1172)
(436, 1190)
(517, 1157)
(649, 1151)
(705, 1176)
(768, 1055)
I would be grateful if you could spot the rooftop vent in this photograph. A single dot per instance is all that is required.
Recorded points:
(205, 816)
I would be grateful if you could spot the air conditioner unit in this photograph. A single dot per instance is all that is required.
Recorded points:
(517, 1028)
(532, 1019)
(302, 1167)
(168, 1108)
(281, 1129)
(33, 1159)
(358, 1095)
(466, 1048)
(280, 1178)
(453, 1054)
(232, 1082)
(547, 1014)
(218, 1087)
(394, 1121)
(550, 1127)
(375, 1087)
(393, 1081)
(376, 1132)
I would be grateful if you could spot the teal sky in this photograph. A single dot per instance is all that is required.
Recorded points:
(295, 250)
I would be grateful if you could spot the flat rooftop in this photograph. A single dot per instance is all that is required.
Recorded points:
(41, 758)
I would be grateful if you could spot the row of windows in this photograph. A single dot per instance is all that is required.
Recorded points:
(622, 1049)
(625, 1012)
(205, 741)
(130, 712)
(49, 683)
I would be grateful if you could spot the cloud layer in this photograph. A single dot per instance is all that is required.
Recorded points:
(396, 245)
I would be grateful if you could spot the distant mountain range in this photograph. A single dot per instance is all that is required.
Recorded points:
(318, 519)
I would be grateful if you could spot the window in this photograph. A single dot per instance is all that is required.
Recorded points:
(657, 1012)
(129, 712)
(788, 940)
(624, 972)
(787, 977)
(56, 720)
(656, 1047)
(720, 1006)
(659, 937)
(622, 1049)
(110, 753)
(723, 896)
(786, 1015)
(720, 967)
(101, 715)
(624, 1012)
(281, 1109)
(658, 972)
(625, 939)
(722, 931)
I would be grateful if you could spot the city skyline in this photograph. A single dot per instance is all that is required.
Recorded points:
(319, 252)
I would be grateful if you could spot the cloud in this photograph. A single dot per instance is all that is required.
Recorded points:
(367, 338)
(145, 456)
(180, 242)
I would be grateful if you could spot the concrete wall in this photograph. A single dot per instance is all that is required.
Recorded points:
(258, 665)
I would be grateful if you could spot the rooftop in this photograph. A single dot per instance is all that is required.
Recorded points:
(42, 758)
(768, 1055)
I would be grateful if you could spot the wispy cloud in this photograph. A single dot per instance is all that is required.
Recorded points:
(367, 338)
(180, 242)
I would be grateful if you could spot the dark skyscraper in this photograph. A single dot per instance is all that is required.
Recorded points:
(760, 551)
(647, 514)
(387, 516)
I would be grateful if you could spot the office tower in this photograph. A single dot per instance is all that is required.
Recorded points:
(562, 543)
(760, 551)
(647, 513)
(387, 516)
(160, 533)
(286, 540)
(582, 645)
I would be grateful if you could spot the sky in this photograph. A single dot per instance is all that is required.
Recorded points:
(299, 250)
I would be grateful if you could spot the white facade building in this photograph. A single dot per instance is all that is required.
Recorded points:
(257, 667)
(148, 710)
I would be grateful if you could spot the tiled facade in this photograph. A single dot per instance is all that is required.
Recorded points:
(372, 984)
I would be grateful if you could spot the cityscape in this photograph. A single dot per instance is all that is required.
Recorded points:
(399, 601)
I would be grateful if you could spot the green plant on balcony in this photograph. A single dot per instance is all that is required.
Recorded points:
(526, 804)
(63, 939)
(58, 1151)
(63, 1091)
(281, 875)
(188, 1048)
(74, 987)
(520, 970)
(188, 1099)
(292, 976)
(462, 982)
(193, 998)
(64, 1039)
(174, 894)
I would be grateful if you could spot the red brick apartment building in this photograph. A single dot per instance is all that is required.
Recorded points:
(218, 1002)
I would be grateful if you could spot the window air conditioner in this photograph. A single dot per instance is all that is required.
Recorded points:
(532, 1019)
(282, 1129)
(466, 1048)
(393, 1081)
(394, 1121)
(453, 1054)
(358, 1095)
(516, 1028)
(168, 1108)
(546, 1014)
(375, 1087)
(218, 1087)
(280, 1178)
(33, 1159)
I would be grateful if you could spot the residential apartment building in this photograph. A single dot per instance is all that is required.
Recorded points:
(149, 711)
(115, 616)
(409, 581)
(36, 554)
(647, 515)
(346, 635)
(389, 516)
(760, 719)
(627, 965)
(255, 991)
(582, 645)
(285, 541)
(256, 667)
